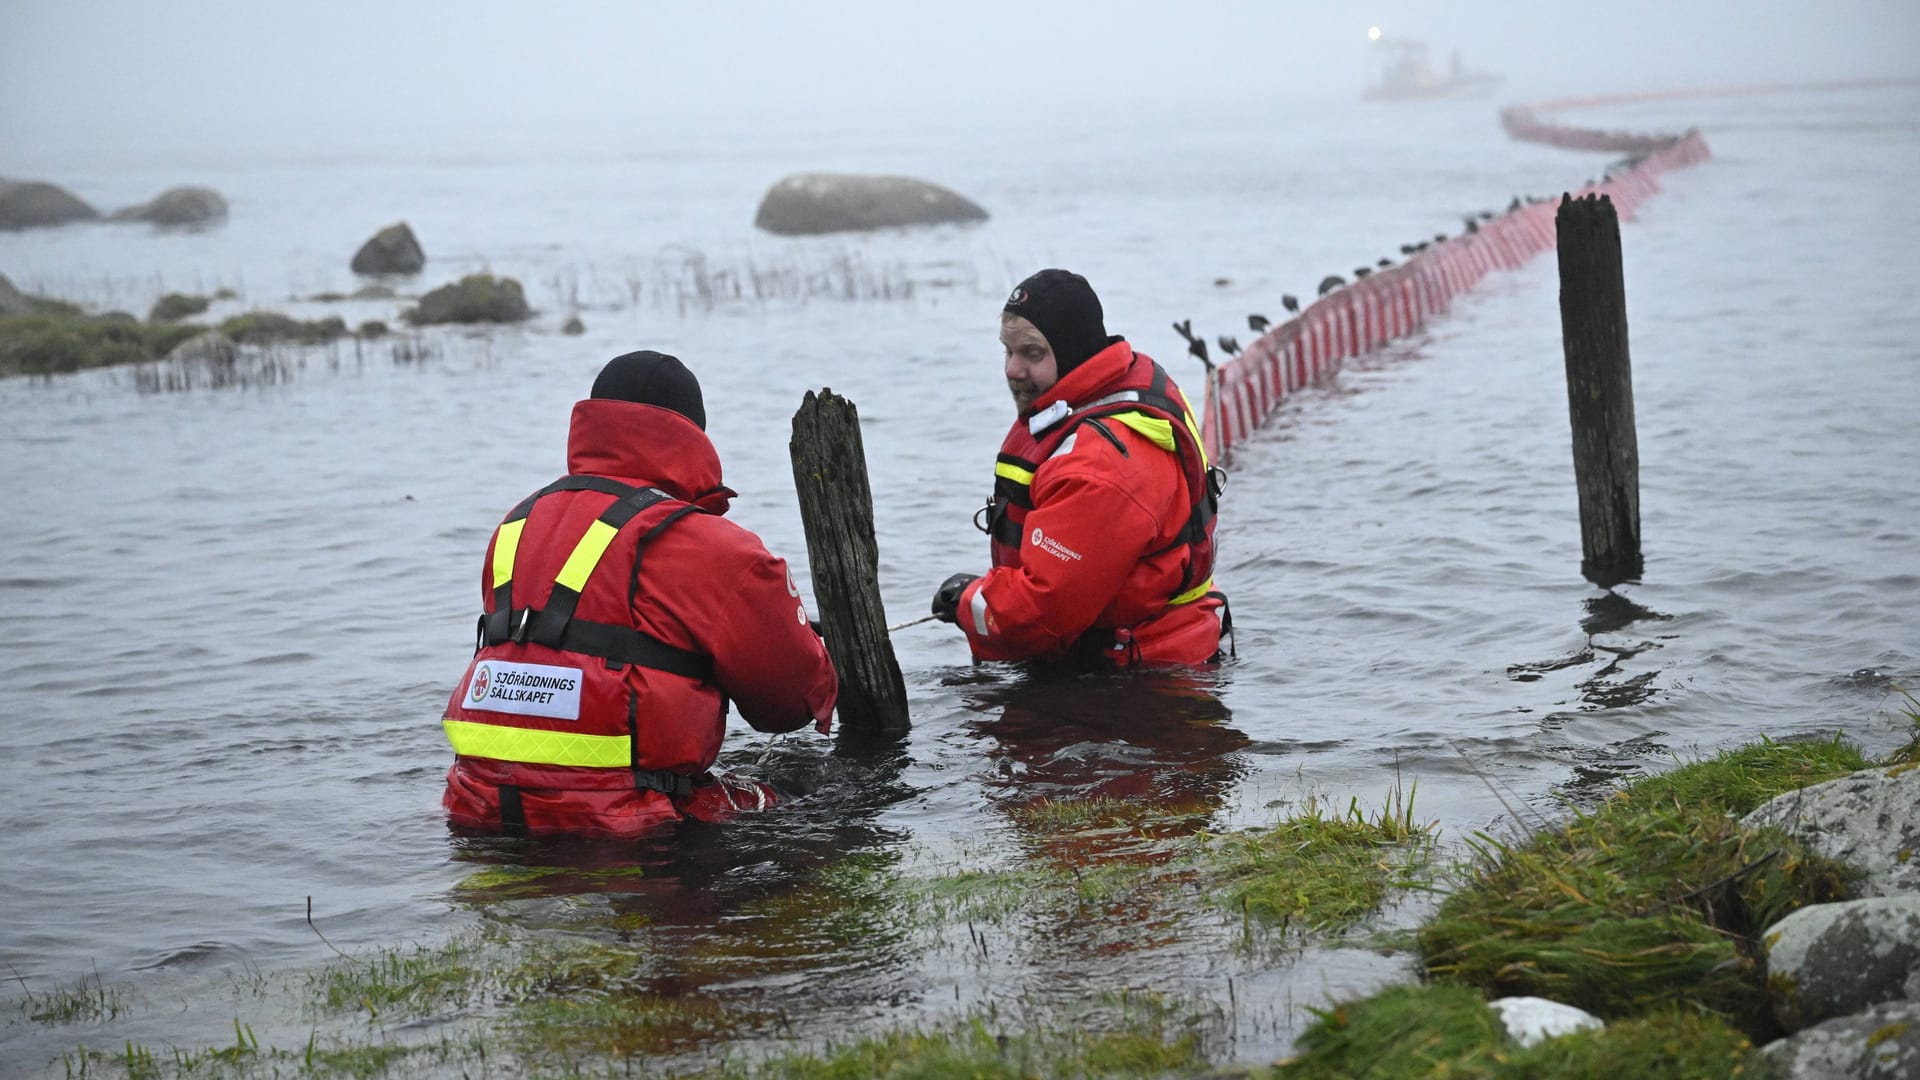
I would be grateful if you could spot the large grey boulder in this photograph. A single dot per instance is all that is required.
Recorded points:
(180, 206)
(31, 204)
(1829, 960)
(392, 250)
(1531, 1020)
(807, 204)
(1870, 820)
(1882, 1042)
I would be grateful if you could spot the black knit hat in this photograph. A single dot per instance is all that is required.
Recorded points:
(651, 378)
(1061, 305)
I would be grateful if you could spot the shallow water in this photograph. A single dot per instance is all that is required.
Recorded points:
(238, 611)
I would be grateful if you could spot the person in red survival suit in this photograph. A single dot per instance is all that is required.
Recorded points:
(1101, 519)
(621, 612)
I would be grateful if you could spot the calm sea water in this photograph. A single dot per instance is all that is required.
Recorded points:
(236, 612)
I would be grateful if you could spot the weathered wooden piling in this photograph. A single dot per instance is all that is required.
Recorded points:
(1593, 327)
(836, 509)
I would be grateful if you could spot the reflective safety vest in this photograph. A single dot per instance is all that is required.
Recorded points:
(1155, 411)
(561, 672)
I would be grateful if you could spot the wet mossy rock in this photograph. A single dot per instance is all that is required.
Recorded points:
(1882, 1042)
(808, 204)
(32, 204)
(1830, 960)
(392, 250)
(1870, 820)
(476, 298)
(180, 207)
(175, 306)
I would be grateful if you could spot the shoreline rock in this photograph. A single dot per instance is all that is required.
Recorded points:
(392, 250)
(810, 204)
(178, 207)
(35, 204)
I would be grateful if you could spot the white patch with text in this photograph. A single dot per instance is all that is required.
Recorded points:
(525, 689)
(1053, 547)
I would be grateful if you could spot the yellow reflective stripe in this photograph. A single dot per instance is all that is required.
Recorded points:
(586, 555)
(1192, 594)
(538, 747)
(505, 543)
(1012, 472)
(1159, 431)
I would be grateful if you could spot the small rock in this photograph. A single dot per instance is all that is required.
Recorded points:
(31, 204)
(181, 206)
(373, 328)
(1829, 960)
(573, 325)
(392, 250)
(1531, 1020)
(807, 204)
(372, 292)
(1882, 1042)
(1869, 820)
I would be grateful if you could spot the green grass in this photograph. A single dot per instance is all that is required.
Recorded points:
(1655, 897)
(1147, 1043)
(1320, 871)
(52, 342)
(176, 306)
(1910, 753)
(88, 1001)
(273, 328)
(405, 983)
(1408, 1032)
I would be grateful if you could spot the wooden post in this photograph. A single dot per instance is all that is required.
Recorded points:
(1593, 327)
(836, 509)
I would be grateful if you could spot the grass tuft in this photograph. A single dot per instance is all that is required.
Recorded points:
(1322, 871)
(1406, 1032)
(1654, 897)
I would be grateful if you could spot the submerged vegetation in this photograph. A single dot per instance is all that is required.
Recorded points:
(1642, 910)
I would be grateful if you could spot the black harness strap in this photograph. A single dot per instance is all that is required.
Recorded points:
(554, 625)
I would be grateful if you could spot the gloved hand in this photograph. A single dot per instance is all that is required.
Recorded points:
(946, 599)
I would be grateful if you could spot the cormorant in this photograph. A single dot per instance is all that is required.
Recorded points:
(1287, 301)
(1230, 346)
(1330, 283)
(1258, 323)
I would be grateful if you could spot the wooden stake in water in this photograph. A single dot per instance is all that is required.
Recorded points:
(836, 509)
(1593, 327)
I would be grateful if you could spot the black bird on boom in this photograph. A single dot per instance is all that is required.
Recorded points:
(1258, 323)
(1287, 301)
(1196, 347)
(1330, 283)
(1229, 345)
(1384, 263)
(1362, 271)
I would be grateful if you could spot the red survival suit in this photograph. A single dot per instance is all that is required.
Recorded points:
(621, 614)
(1102, 526)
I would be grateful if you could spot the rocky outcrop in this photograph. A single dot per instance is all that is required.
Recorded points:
(1531, 1020)
(476, 298)
(392, 250)
(178, 207)
(1883, 1041)
(31, 204)
(807, 204)
(1829, 960)
(1867, 820)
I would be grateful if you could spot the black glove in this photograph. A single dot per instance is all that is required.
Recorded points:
(818, 630)
(946, 599)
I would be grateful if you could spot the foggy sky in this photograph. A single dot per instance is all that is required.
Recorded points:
(84, 73)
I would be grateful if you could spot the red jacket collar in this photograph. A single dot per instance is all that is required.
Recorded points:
(649, 446)
(1097, 376)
